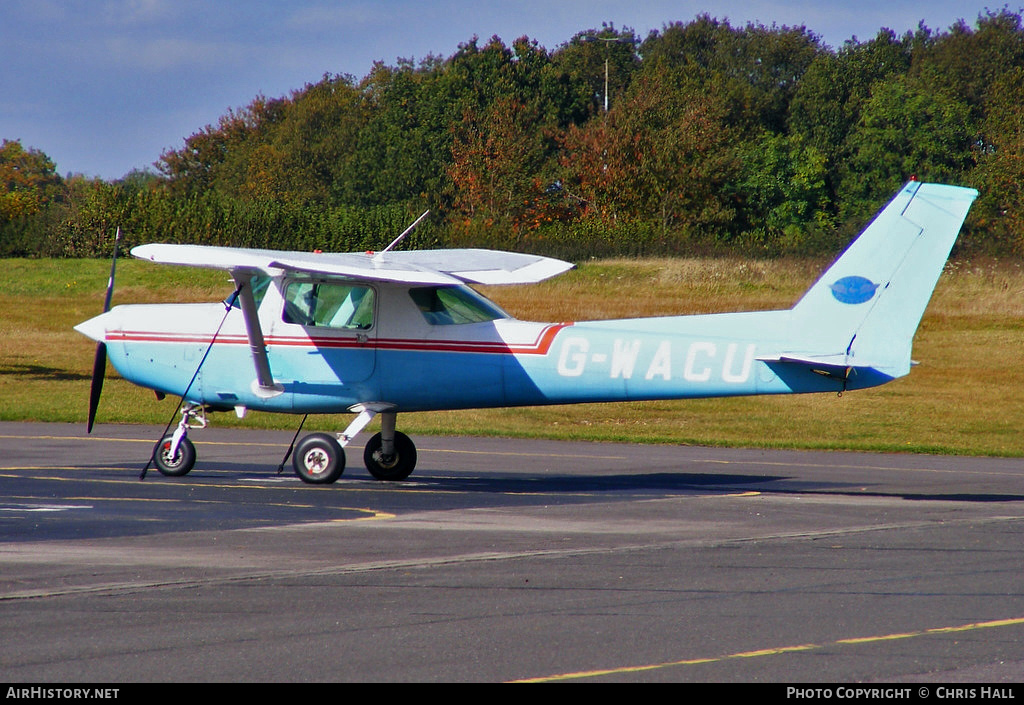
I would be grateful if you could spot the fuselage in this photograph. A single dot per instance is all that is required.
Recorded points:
(333, 344)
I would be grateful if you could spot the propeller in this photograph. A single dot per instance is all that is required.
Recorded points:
(99, 363)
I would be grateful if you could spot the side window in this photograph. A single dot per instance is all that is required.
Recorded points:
(329, 305)
(453, 305)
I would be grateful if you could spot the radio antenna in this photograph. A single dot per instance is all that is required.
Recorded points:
(404, 233)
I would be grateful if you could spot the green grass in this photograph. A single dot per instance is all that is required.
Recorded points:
(966, 396)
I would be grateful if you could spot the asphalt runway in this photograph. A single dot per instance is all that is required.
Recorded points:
(506, 560)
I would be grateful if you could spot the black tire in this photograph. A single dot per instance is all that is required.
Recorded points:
(183, 461)
(397, 467)
(318, 459)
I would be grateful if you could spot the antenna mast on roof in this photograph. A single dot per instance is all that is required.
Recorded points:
(404, 233)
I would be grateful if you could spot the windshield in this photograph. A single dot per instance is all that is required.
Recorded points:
(259, 284)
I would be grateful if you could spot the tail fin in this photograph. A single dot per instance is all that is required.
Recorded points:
(863, 312)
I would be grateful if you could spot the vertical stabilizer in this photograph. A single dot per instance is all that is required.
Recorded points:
(865, 309)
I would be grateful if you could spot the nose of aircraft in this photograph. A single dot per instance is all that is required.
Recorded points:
(95, 328)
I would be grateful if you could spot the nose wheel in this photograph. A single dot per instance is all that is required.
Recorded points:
(174, 454)
(176, 463)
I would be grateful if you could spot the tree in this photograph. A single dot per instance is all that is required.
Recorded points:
(966, 62)
(785, 191)
(905, 129)
(1000, 171)
(28, 181)
(756, 69)
(827, 104)
(663, 153)
(497, 161)
(740, 135)
(400, 153)
(218, 157)
(308, 150)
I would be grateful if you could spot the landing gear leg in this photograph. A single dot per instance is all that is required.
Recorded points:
(390, 455)
(175, 455)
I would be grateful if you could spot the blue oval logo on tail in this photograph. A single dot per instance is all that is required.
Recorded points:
(853, 290)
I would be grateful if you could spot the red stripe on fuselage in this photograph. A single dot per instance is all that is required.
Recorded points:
(540, 345)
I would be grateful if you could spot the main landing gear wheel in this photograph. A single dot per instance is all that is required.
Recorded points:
(398, 466)
(183, 461)
(319, 459)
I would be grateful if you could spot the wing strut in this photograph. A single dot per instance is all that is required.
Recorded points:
(265, 385)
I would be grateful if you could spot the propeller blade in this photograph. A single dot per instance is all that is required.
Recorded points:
(99, 363)
(99, 369)
(113, 268)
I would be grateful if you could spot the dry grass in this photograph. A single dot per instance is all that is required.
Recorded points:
(658, 287)
(966, 397)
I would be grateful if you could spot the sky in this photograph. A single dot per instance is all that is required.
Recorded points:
(104, 87)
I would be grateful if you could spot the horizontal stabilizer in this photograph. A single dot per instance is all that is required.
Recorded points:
(834, 362)
(839, 367)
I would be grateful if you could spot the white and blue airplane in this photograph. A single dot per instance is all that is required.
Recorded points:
(397, 331)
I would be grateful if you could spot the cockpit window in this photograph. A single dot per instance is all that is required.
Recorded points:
(451, 305)
(329, 304)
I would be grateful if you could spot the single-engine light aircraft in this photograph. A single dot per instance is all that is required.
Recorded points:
(395, 331)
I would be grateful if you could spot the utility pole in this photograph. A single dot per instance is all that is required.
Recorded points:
(607, 44)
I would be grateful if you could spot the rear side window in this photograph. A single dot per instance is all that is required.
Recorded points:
(452, 305)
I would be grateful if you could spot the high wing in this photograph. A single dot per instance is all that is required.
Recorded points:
(473, 266)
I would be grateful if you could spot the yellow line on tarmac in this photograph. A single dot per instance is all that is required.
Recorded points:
(8, 472)
(575, 456)
(280, 445)
(366, 512)
(376, 487)
(1014, 621)
(108, 439)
